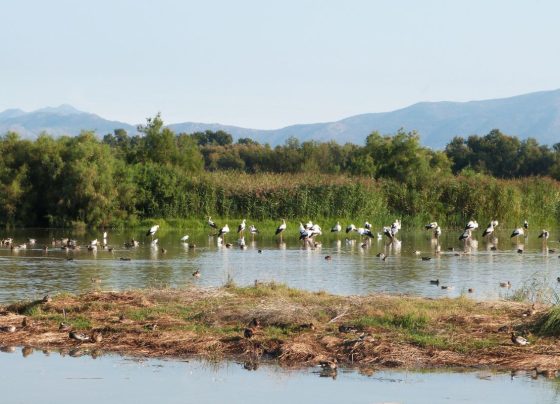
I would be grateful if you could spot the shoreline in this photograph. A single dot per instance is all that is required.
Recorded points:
(292, 327)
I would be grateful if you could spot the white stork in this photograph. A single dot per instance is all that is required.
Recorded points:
(431, 226)
(241, 227)
(489, 230)
(223, 231)
(517, 232)
(152, 230)
(280, 229)
(336, 228)
(367, 225)
(544, 234)
(211, 223)
(466, 235)
(350, 228)
(253, 230)
(437, 232)
(471, 225)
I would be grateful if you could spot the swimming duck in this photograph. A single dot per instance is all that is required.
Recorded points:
(196, 274)
(505, 284)
(434, 282)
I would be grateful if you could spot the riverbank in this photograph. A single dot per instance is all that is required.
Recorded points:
(295, 327)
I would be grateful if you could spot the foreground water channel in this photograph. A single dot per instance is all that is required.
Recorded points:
(353, 269)
(112, 378)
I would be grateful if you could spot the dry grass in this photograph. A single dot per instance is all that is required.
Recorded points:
(295, 327)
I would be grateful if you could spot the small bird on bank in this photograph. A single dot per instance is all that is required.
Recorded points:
(519, 340)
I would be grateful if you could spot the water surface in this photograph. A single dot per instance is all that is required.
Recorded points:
(54, 379)
(352, 269)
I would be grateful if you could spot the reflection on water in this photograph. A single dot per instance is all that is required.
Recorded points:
(49, 378)
(354, 267)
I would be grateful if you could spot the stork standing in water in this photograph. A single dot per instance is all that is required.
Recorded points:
(253, 230)
(222, 233)
(431, 226)
(211, 223)
(517, 232)
(350, 228)
(241, 227)
(336, 228)
(471, 225)
(152, 231)
(280, 229)
(544, 235)
(437, 232)
(489, 230)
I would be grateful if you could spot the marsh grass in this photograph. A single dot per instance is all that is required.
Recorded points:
(266, 198)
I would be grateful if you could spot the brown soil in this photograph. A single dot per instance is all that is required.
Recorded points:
(296, 328)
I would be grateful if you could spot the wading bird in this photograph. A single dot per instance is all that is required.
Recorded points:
(437, 232)
(544, 234)
(430, 226)
(211, 223)
(241, 227)
(280, 229)
(336, 228)
(489, 230)
(350, 228)
(152, 230)
(517, 232)
(223, 231)
(253, 230)
(185, 238)
(471, 225)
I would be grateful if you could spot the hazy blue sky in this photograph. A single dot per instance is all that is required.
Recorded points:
(267, 64)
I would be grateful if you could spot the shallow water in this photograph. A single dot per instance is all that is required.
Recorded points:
(353, 269)
(54, 379)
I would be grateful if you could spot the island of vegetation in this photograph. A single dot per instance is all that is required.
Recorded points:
(295, 328)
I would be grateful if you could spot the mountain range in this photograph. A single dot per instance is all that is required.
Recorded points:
(529, 115)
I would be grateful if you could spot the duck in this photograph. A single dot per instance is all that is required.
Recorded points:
(505, 284)
(328, 257)
(530, 311)
(519, 340)
(434, 282)
(78, 336)
(426, 258)
(8, 328)
(47, 299)
(64, 327)
(447, 287)
(196, 274)
(248, 332)
(328, 365)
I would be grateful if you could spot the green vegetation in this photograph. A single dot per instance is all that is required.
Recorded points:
(125, 180)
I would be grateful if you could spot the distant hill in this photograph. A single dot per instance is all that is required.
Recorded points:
(530, 115)
(62, 120)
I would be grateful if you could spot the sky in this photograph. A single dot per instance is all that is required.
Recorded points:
(269, 64)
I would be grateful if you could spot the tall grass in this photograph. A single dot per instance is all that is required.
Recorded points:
(299, 197)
